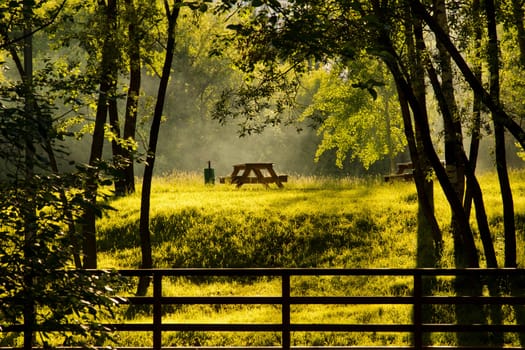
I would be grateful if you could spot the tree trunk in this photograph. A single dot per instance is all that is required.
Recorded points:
(427, 252)
(475, 189)
(517, 18)
(426, 219)
(476, 104)
(116, 145)
(107, 71)
(427, 222)
(145, 234)
(464, 232)
(499, 136)
(452, 125)
(130, 119)
(415, 43)
(29, 211)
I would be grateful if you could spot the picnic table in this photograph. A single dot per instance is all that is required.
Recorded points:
(254, 173)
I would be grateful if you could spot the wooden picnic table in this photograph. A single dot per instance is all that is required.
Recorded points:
(249, 173)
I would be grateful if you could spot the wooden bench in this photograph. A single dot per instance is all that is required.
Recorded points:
(405, 171)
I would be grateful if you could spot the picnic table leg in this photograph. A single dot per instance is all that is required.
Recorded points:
(275, 177)
(234, 174)
(260, 177)
(244, 177)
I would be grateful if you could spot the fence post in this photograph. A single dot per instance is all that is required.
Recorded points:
(157, 311)
(29, 321)
(285, 310)
(418, 310)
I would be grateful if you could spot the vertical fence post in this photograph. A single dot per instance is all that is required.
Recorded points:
(418, 310)
(157, 311)
(29, 322)
(285, 310)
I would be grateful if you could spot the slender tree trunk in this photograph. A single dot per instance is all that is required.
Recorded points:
(425, 195)
(501, 165)
(145, 234)
(476, 104)
(426, 215)
(29, 210)
(116, 145)
(452, 126)
(453, 130)
(499, 136)
(429, 246)
(465, 233)
(425, 204)
(130, 119)
(107, 77)
(426, 257)
(517, 18)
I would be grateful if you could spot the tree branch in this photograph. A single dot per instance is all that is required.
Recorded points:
(502, 116)
(26, 35)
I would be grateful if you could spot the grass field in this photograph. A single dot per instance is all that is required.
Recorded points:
(312, 222)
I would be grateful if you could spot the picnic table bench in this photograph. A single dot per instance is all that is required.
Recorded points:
(405, 171)
(254, 173)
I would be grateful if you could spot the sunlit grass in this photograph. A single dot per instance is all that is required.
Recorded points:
(183, 204)
(311, 222)
(347, 202)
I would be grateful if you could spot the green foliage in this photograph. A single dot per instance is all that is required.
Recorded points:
(39, 208)
(284, 49)
(350, 115)
(36, 244)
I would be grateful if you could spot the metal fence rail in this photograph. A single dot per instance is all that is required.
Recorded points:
(416, 300)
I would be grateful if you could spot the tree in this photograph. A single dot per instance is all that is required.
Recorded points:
(48, 296)
(172, 15)
(38, 207)
(127, 181)
(350, 111)
(108, 51)
(108, 71)
(493, 57)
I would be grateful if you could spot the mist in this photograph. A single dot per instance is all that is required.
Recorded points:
(189, 148)
(189, 138)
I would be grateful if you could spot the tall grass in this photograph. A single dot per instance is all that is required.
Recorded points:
(311, 222)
